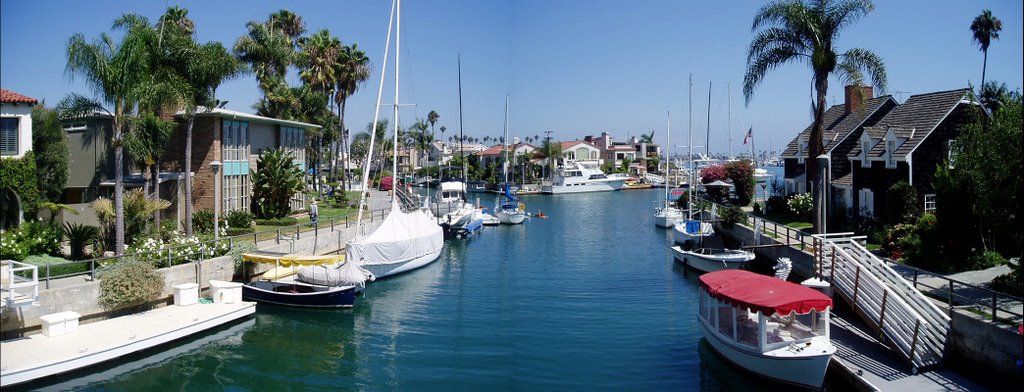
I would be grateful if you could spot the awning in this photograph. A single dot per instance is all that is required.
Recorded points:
(718, 183)
(287, 260)
(762, 293)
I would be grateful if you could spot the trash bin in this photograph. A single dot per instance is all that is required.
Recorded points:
(186, 294)
(225, 292)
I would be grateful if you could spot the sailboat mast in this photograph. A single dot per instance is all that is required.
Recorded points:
(373, 131)
(462, 136)
(707, 138)
(668, 145)
(728, 91)
(689, 204)
(398, 54)
(504, 145)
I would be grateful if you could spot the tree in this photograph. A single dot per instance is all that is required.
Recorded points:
(995, 95)
(792, 31)
(50, 144)
(138, 208)
(148, 141)
(117, 73)
(274, 183)
(742, 175)
(176, 17)
(985, 28)
(647, 137)
(353, 69)
(318, 68)
(553, 151)
(432, 118)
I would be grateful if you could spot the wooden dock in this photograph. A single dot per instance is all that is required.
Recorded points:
(38, 356)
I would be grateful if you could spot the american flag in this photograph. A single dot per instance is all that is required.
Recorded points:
(750, 134)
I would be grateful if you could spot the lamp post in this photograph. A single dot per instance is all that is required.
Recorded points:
(216, 198)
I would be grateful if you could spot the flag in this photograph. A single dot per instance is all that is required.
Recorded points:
(750, 135)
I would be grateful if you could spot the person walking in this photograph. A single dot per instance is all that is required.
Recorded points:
(314, 212)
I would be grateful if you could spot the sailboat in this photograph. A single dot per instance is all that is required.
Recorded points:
(687, 231)
(666, 214)
(404, 241)
(508, 209)
(464, 219)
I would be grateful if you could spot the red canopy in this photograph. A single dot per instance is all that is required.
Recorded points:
(762, 293)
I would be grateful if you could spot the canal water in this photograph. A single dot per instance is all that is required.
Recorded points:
(588, 299)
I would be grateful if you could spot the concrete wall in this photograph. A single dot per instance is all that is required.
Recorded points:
(979, 347)
(803, 261)
(83, 297)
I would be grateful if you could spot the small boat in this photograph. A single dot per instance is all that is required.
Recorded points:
(305, 280)
(463, 222)
(771, 327)
(508, 209)
(712, 259)
(489, 220)
(762, 175)
(477, 186)
(690, 232)
(665, 213)
(451, 197)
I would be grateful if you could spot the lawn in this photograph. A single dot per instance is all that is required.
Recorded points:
(326, 214)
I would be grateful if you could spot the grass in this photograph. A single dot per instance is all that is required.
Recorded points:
(326, 214)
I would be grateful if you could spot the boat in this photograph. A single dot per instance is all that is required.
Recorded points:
(477, 187)
(508, 209)
(489, 220)
(665, 213)
(404, 241)
(770, 327)
(463, 222)
(762, 175)
(305, 280)
(712, 259)
(450, 197)
(689, 232)
(583, 176)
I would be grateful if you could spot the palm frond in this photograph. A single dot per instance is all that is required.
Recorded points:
(765, 62)
(858, 61)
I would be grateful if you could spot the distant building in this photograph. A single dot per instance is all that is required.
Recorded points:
(496, 154)
(634, 150)
(15, 141)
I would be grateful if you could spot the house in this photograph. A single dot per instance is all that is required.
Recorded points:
(236, 139)
(634, 150)
(581, 150)
(15, 141)
(908, 144)
(842, 126)
(496, 154)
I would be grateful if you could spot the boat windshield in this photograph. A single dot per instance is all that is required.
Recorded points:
(744, 327)
(796, 327)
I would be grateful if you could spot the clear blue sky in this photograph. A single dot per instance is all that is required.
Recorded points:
(574, 67)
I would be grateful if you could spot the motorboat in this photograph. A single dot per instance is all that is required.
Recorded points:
(762, 175)
(305, 280)
(405, 240)
(450, 197)
(665, 216)
(690, 232)
(712, 259)
(477, 186)
(583, 176)
(770, 327)
(462, 222)
(489, 220)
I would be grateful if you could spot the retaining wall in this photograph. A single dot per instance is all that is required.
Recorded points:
(83, 297)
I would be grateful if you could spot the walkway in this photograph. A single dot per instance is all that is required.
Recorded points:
(35, 356)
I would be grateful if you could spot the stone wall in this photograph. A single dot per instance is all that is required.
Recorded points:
(979, 347)
(83, 297)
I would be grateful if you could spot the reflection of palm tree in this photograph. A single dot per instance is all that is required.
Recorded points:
(792, 31)
(986, 28)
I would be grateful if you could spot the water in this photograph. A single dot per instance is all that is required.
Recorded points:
(589, 299)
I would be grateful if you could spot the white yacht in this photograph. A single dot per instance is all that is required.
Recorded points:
(451, 196)
(579, 177)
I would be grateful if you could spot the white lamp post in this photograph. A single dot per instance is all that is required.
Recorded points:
(216, 198)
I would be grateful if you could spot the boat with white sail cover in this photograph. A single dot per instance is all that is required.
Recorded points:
(583, 176)
(771, 327)
(508, 209)
(665, 213)
(404, 241)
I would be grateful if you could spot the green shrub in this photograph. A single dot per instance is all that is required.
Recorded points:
(1010, 283)
(901, 203)
(202, 221)
(285, 221)
(11, 246)
(58, 267)
(776, 205)
(239, 248)
(239, 219)
(274, 183)
(79, 236)
(32, 238)
(897, 240)
(130, 282)
(986, 259)
(757, 208)
(233, 231)
(732, 215)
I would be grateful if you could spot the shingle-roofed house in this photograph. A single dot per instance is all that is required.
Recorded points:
(842, 125)
(906, 145)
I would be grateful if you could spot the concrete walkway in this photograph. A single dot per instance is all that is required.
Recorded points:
(937, 285)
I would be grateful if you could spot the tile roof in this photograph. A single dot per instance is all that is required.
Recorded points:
(497, 150)
(8, 96)
(837, 125)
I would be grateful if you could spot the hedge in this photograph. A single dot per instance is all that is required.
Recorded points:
(19, 175)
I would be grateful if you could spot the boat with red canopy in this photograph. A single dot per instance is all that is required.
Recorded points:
(766, 325)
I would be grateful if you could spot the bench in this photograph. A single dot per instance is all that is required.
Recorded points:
(60, 323)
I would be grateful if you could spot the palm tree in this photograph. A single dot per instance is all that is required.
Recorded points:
(432, 118)
(792, 31)
(178, 18)
(117, 73)
(552, 151)
(318, 62)
(147, 142)
(353, 69)
(287, 23)
(985, 28)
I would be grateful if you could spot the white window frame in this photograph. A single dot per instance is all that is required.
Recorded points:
(10, 138)
(951, 153)
(867, 202)
(865, 146)
(890, 150)
(929, 202)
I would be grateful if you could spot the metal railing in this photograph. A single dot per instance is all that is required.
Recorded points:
(177, 255)
(16, 279)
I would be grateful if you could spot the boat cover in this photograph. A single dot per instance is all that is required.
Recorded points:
(402, 236)
(762, 293)
(287, 260)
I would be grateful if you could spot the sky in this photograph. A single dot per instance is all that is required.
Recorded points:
(572, 67)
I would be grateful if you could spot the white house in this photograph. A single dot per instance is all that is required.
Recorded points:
(15, 124)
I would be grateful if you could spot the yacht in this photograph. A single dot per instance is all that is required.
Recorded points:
(579, 177)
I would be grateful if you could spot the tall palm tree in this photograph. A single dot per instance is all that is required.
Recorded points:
(432, 118)
(353, 69)
(789, 31)
(552, 151)
(318, 63)
(178, 18)
(287, 23)
(117, 73)
(985, 28)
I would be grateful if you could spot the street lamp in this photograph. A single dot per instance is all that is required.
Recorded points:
(216, 198)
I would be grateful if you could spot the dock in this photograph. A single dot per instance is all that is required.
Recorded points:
(37, 356)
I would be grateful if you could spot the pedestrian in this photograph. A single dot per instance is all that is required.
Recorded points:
(314, 212)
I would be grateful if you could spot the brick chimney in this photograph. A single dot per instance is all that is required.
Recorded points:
(853, 101)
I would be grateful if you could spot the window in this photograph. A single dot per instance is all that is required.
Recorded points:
(235, 154)
(890, 151)
(867, 203)
(8, 136)
(235, 141)
(929, 202)
(236, 193)
(801, 150)
(951, 151)
(865, 146)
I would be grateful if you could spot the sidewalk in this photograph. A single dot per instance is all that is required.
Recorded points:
(937, 285)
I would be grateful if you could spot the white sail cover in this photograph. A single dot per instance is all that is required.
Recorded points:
(343, 274)
(401, 237)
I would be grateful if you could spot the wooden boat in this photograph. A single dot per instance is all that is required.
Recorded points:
(768, 326)
(305, 280)
(712, 259)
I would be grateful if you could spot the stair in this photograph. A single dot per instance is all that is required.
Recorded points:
(19, 284)
(904, 318)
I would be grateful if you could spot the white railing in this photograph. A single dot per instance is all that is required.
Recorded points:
(655, 178)
(903, 316)
(20, 290)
